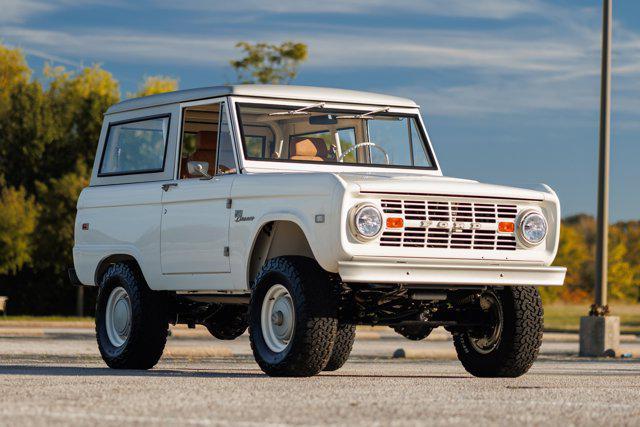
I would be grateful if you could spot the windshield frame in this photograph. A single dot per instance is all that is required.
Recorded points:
(249, 163)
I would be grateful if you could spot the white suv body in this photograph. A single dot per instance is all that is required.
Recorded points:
(200, 189)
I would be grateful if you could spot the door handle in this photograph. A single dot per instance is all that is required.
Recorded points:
(168, 185)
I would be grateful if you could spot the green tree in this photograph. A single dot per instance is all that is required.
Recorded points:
(77, 102)
(19, 213)
(26, 130)
(269, 63)
(57, 198)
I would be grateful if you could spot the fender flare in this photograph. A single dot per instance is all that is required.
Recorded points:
(287, 216)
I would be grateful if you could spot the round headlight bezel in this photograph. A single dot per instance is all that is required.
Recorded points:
(353, 221)
(521, 227)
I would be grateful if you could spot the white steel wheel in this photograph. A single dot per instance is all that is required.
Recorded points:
(118, 316)
(277, 318)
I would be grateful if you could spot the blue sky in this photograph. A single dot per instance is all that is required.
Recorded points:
(509, 88)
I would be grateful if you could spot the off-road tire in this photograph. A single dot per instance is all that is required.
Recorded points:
(315, 323)
(228, 323)
(520, 341)
(414, 333)
(149, 320)
(345, 336)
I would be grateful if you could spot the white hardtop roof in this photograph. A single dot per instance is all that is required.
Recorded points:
(302, 93)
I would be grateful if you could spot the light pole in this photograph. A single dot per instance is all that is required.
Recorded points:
(599, 332)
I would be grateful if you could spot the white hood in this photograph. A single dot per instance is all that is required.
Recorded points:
(395, 183)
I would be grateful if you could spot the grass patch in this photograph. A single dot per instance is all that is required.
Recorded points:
(566, 317)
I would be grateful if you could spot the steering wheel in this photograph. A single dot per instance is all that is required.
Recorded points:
(365, 144)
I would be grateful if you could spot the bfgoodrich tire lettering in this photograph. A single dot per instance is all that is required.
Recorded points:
(147, 334)
(520, 341)
(315, 317)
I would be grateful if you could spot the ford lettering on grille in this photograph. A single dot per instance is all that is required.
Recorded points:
(449, 224)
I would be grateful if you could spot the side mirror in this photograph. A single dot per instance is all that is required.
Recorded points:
(196, 168)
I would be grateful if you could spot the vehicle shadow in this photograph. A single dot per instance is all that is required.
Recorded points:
(79, 371)
(75, 371)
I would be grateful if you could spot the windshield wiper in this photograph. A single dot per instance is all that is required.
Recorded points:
(302, 110)
(367, 114)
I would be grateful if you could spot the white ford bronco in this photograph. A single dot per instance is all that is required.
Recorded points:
(298, 213)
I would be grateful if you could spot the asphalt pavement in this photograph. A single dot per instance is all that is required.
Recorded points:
(52, 376)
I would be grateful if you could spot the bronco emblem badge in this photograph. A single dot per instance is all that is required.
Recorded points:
(240, 218)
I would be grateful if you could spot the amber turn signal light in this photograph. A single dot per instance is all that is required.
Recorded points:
(395, 222)
(506, 227)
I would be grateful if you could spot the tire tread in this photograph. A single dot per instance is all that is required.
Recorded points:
(516, 356)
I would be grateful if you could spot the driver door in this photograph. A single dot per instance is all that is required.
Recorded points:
(195, 217)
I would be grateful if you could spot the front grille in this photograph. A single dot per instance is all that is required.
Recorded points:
(449, 224)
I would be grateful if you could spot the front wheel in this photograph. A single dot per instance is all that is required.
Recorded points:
(292, 318)
(509, 343)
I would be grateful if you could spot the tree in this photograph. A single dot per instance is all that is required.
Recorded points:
(57, 198)
(44, 288)
(269, 63)
(77, 102)
(13, 71)
(575, 254)
(26, 130)
(153, 85)
(18, 212)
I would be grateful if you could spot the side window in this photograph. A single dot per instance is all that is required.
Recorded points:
(226, 159)
(135, 147)
(206, 138)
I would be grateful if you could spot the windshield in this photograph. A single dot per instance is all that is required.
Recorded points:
(317, 134)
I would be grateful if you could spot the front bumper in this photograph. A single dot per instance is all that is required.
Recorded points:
(449, 274)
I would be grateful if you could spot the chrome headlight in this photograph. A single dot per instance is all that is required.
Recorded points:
(366, 221)
(532, 228)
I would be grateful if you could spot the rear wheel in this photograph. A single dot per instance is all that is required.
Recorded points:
(292, 317)
(345, 336)
(509, 343)
(131, 319)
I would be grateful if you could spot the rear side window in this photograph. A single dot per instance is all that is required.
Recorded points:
(135, 147)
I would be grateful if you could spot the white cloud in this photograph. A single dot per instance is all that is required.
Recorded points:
(432, 49)
(15, 11)
(19, 11)
(489, 9)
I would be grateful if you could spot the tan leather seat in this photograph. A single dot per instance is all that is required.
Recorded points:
(206, 143)
(310, 149)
